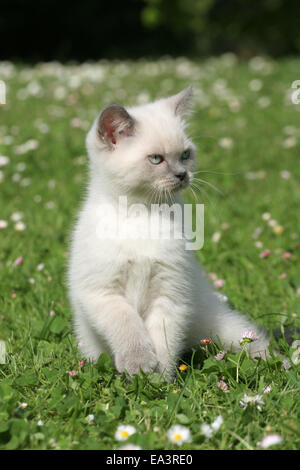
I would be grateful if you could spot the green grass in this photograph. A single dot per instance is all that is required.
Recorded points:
(54, 105)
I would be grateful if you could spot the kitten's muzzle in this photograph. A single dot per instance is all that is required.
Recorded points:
(181, 176)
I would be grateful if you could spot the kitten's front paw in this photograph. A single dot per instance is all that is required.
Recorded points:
(134, 360)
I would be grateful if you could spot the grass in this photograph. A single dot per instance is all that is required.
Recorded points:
(247, 133)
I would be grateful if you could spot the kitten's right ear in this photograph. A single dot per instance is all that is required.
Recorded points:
(181, 103)
(113, 123)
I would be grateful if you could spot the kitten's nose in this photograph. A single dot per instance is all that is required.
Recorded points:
(181, 175)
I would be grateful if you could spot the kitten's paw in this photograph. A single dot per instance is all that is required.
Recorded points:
(134, 360)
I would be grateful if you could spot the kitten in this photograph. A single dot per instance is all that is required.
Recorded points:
(143, 301)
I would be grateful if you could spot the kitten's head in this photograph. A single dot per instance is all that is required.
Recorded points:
(145, 148)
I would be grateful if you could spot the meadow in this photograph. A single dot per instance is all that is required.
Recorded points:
(246, 128)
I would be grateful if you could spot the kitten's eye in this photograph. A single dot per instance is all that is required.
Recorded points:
(186, 154)
(155, 159)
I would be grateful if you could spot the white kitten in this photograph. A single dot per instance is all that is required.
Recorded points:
(143, 301)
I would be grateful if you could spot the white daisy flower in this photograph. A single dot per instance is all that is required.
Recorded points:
(266, 216)
(90, 418)
(209, 429)
(130, 447)
(4, 160)
(3, 224)
(178, 434)
(255, 84)
(264, 101)
(270, 440)
(31, 144)
(248, 337)
(20, 226)
(16, 216)
(124, 431)
(255, 400)
(217, 423)
(289, 142)
(226, 143)
(216, 237)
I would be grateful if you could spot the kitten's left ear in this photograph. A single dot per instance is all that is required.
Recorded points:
(181, 103)
(113, 123)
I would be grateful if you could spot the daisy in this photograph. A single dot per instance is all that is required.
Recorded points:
(285, 174)
(90, 418)
(296, 356)
(222, 297)
(248, 337)
(259, 244)
(289, 142)
(273, 223)
(124, 431)
(16, 216)
(178, 434)
(255, 84)
(24, 405)
(220, 355)
(209, 429)
(270, 440)
(19, 261)
(255, 400)
(278, 229)
(3, 224)
(265, 254)
(219, 283)
(217, 423)
(223, 385)
(264, 101)
(226, 143)
(130, 447)
(4, 160)
(20, 226)
(266, 216)
(72, 373)
(205, 341)
(257, 232)
(216, 237)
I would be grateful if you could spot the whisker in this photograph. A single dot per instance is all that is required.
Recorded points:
(194, 194)
(217, 172)
(209, 184)
(202, 190)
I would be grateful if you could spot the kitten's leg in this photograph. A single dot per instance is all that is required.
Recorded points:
(121, 329)
(168, 333)
(89, 342)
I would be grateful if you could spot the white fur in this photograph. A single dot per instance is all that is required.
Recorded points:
(144, 302)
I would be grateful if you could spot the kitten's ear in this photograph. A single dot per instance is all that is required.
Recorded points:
(113, 123)
(181, 103)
